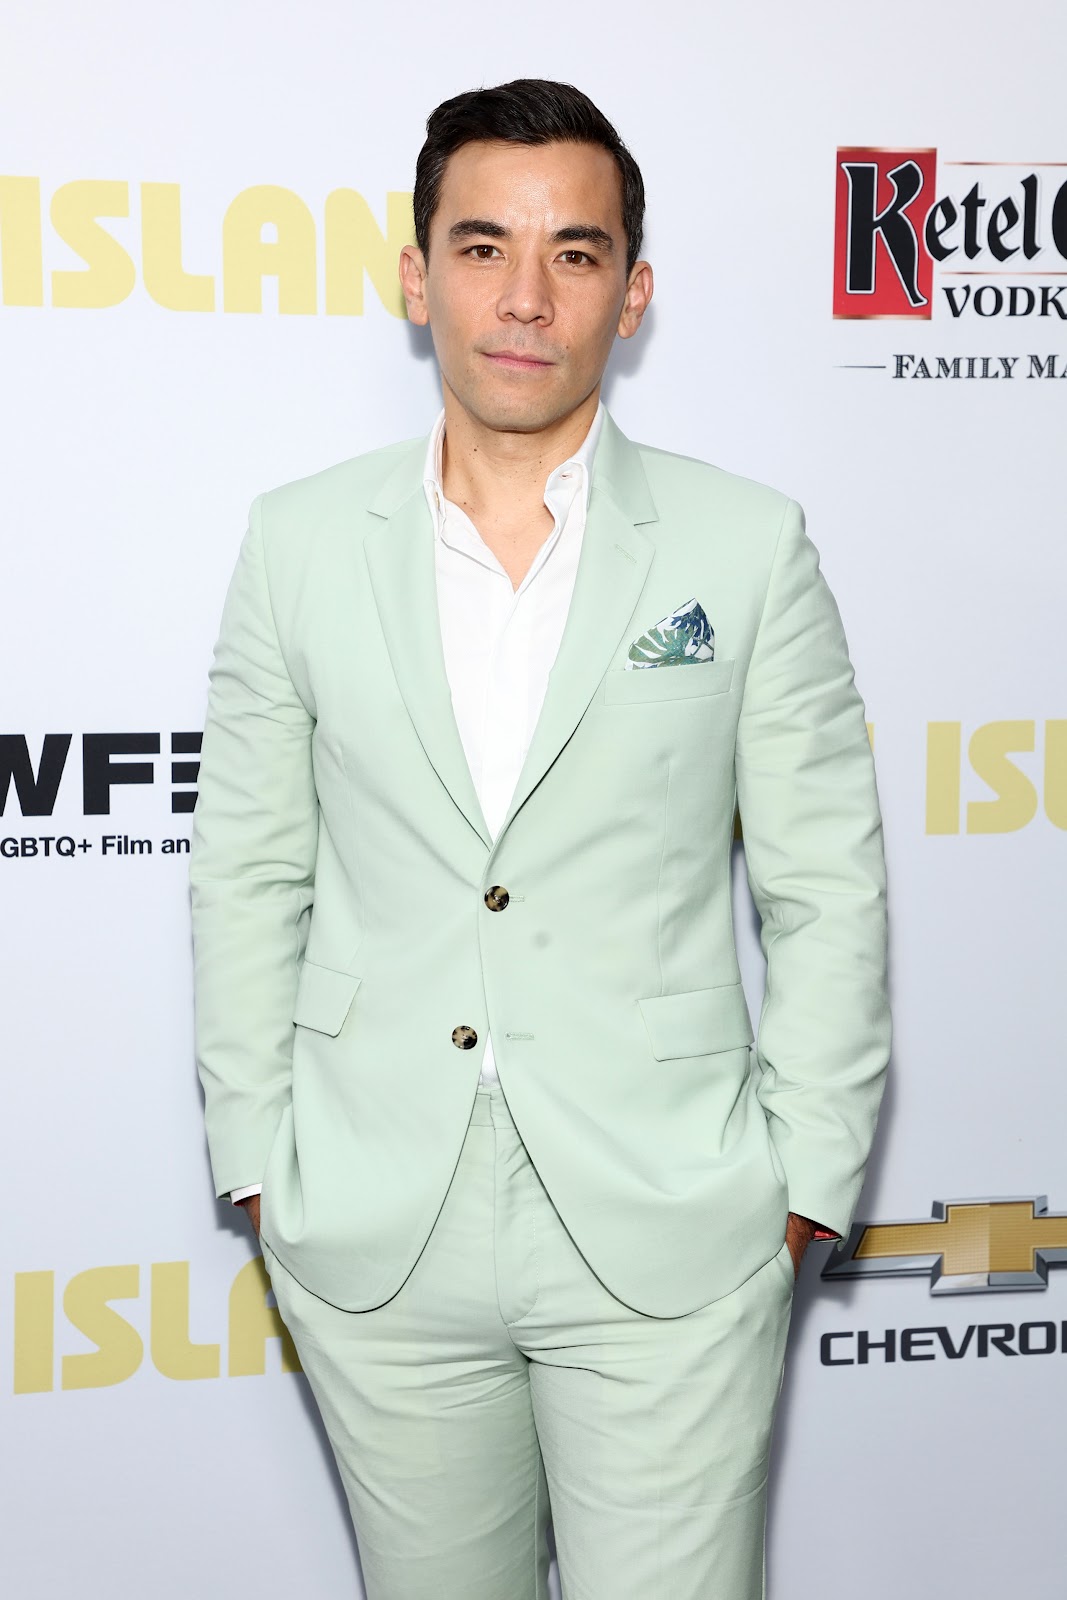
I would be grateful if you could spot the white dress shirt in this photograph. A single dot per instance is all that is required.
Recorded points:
(499, 643)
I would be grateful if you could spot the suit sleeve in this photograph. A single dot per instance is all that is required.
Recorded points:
(814, 855)
(255, 831)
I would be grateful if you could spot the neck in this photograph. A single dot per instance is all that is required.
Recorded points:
(484, 468)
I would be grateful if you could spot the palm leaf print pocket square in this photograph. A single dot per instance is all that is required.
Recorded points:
(685, 636)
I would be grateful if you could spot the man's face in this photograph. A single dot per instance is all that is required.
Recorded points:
(526, 285)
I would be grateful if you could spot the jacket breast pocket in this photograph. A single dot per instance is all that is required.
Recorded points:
(324, 998)
(640, 685)
(697, 1022)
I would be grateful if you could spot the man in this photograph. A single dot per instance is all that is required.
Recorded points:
(469, 1012)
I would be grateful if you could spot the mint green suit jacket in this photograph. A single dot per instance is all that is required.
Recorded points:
(340, 866)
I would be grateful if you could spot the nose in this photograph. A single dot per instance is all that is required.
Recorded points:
(526, 296)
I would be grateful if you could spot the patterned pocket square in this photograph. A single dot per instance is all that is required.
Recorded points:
(683, 637)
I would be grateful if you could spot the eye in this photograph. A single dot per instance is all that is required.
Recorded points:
(574, 258)
(481, 252)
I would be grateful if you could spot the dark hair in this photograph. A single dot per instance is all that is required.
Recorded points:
(527, 111)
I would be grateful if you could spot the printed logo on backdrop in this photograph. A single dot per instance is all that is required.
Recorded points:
(937, 243)
(969, 1245)
(981, 1246)
(131, 235)
(90, 779)
(153, 1334)
(996, 756)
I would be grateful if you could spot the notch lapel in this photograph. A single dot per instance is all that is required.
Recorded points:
(612, 568)
(400, 559)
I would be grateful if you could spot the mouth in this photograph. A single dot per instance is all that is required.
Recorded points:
(512, 361)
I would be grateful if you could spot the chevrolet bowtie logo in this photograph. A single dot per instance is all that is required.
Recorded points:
(970, 1245)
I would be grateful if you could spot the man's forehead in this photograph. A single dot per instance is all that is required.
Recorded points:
(534, 180)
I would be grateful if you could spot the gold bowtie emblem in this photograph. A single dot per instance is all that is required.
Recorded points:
(969, 1245)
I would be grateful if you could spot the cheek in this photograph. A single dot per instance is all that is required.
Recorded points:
(456, 310)
(589, 331)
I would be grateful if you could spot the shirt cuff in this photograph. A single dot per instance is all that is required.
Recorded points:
(243, 1194)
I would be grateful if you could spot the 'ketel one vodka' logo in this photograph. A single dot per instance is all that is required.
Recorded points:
(997, 222)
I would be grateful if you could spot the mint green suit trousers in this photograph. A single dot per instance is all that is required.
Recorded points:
(503, 1386)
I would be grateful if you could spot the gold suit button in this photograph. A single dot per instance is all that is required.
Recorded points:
(497, 897)
(464, 1038)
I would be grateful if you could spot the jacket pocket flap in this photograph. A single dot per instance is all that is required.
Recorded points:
(698, 1022)
(323, 997)
(630, 685)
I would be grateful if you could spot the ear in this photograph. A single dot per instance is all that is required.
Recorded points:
(413, 283)
(638, 294)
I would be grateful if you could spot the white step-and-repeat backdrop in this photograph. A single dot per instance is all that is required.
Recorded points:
(858, 221)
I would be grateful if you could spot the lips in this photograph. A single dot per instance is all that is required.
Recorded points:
(516, 360)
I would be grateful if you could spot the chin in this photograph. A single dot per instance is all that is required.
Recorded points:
(516, 413)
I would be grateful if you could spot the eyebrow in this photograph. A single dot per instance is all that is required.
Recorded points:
(575, 233)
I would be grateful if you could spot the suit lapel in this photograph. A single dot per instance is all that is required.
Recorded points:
(400, 558)
(612, 569)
